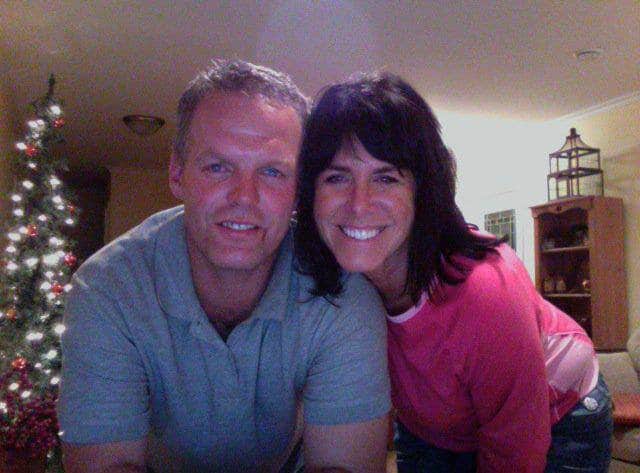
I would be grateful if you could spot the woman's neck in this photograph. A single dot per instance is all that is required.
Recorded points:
(391, 281)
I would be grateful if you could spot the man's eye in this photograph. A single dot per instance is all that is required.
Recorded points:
(214, 167)
(272, 172)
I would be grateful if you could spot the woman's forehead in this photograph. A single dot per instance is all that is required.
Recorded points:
(352, 149)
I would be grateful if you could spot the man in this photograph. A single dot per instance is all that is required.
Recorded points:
(192, 341)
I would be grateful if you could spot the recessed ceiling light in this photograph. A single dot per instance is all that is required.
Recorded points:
(588, 54)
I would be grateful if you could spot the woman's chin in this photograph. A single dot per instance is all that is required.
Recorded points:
(358, 265)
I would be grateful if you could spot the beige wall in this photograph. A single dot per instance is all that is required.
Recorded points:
(136, 193)
(7, 140)
(617, 133)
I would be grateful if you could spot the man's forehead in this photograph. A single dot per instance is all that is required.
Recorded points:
(234, 102)
(242, 129)
(246, 115)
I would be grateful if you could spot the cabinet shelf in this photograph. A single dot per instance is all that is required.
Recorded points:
(599, 263)
(566, 249)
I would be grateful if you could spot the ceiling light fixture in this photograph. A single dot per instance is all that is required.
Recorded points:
(143, 125)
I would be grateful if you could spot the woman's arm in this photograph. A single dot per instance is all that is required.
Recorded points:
(507, 379)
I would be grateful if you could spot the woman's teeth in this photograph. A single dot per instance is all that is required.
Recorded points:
(358, 234)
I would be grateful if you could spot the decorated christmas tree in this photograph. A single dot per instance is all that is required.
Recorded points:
(35, 266)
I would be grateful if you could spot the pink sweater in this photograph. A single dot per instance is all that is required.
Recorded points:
(490, 368)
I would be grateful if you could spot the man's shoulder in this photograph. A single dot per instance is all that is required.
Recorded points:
(133, 249)
(358, 302)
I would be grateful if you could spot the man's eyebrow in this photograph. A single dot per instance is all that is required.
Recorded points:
(208, 154)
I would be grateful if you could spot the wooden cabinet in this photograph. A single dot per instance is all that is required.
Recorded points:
(580, 264)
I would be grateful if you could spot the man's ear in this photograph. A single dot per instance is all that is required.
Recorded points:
(176, 167)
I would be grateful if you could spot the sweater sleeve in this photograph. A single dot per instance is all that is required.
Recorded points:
(507, 380)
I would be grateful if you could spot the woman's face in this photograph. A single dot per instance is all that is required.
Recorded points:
(364, 210)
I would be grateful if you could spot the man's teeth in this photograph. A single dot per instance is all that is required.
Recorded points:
(360, 234)
(238, 226)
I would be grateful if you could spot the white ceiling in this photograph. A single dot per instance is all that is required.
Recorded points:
(507, 59)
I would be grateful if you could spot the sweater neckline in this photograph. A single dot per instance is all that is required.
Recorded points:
(409, 313)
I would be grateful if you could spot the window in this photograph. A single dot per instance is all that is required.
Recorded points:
(502, 223)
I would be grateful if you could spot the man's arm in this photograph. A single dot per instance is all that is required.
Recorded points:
(346, 394)
(354, 448)
(103, 407)
(115, 457)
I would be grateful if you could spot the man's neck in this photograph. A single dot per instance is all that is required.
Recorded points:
(228, 296)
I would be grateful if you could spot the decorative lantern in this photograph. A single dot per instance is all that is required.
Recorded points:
(574, 170)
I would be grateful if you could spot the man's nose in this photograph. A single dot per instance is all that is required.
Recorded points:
(244, 190)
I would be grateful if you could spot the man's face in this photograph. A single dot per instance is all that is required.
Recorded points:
(237, 181)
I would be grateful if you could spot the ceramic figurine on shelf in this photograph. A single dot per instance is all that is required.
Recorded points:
(580, 235)
(548, 243)
(561, 285)
(548, 285)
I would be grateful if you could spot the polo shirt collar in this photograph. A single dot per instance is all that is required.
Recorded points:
(172, 272)
(174, 286)
(281, 287)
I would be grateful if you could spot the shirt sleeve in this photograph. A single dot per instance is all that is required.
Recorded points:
(347, 380)
(508, 384)
(104, 391)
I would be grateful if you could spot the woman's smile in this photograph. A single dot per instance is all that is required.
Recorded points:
(364, 209)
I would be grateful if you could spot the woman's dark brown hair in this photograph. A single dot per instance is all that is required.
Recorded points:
(394, 124)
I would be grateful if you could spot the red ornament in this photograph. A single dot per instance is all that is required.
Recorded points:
(12, 314)
(70, 260)
(57, 289)
(71, 208)
(31, 151)
(58, 122)
(32, 230)
(19, 363)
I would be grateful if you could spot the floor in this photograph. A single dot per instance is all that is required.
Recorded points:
(616, 466)
(621, 467)
(391, 462)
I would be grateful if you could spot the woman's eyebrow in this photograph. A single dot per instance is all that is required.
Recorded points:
(385, 169)
(333, 167)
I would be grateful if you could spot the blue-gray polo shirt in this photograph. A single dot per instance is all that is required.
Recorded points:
(140, 357)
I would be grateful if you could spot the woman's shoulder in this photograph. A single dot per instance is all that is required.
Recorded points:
(497, 271)
(496, 291)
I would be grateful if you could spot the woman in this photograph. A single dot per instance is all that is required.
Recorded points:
(481, 365)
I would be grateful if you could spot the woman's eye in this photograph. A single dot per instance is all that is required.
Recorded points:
(386, 179)
(334, 178)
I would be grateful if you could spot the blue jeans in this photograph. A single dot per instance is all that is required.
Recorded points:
(416, 456)
(581, 440)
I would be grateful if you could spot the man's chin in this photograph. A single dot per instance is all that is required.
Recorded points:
(241, 260)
